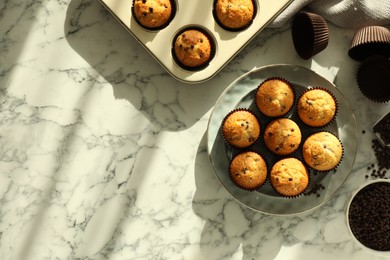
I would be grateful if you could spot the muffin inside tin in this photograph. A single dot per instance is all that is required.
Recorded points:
(151, 12)
(192, 48)
(158, 41)
(230, 28)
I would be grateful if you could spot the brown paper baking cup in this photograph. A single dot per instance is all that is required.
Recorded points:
(368, 41)
(373, 78)
(310, 34)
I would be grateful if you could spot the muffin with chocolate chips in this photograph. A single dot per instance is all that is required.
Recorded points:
(289, 177)
(240, 128)
(234, 14)
(322, 151)
(316, 107)
(193, 49)
(153, 14)
(248, 170)
(282, 136)
(274, 97)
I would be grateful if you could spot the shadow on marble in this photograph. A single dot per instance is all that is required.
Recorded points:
(232, 231)
(133, 73)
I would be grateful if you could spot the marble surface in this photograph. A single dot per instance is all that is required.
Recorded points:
(103, 154)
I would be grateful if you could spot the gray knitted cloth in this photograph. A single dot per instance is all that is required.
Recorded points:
(343, 13)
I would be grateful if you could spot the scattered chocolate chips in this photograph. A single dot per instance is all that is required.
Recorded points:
(382, 155)
(369, 216)
(315, 190)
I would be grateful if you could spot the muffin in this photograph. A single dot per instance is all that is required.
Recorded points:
(322, 151)
(316, 107)
(193, 49)
(282, 136)
(289, 177)
(153, 14)
(248, 170)
(240, 128)
(234, 14)
(274, 97)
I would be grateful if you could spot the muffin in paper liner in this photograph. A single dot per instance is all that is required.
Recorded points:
(149, 18)
(310, 34)
(289, 177)
(275, 97)
(309, 114)
(282, 136)
(237, 19)
(185, 53)
(240, 128)
(368, 41)
(373, 78)
(248, 170)
(322, 152)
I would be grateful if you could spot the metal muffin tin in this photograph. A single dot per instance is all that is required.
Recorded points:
(191, 13)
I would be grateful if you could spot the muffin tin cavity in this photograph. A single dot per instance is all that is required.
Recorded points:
(158, 40)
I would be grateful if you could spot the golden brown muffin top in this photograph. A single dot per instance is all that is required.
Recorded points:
(274, 97)
(316, 107)
(152, 13)
(248, 170)
(193, 48)
(289, 177)
(322, 151)
(241, 128)
(282, 136)
(234, 14)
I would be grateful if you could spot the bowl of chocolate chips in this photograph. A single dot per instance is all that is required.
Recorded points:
(368, 217)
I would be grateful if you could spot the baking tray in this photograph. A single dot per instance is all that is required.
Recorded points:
(194, 13)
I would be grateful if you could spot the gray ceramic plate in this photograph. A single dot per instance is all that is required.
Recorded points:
(241, 94)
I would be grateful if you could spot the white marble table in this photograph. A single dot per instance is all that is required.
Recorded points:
(103, 154)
